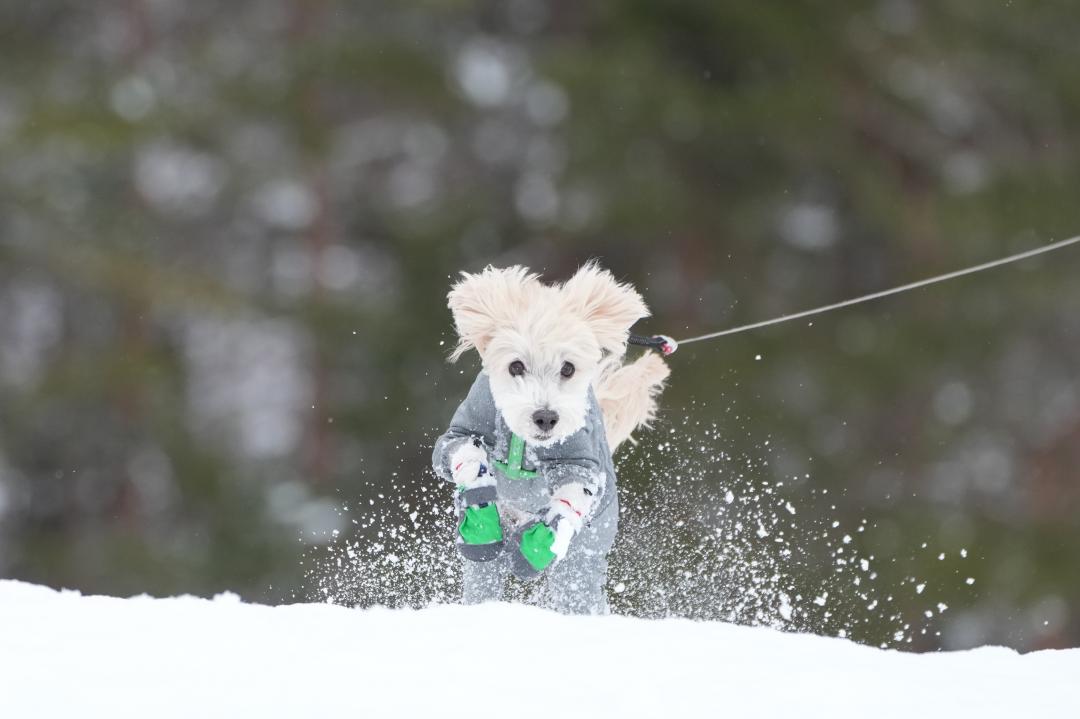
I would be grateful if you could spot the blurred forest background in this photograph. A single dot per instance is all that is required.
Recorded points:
(227, 230)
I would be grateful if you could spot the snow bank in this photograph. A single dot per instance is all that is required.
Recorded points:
(63, 654)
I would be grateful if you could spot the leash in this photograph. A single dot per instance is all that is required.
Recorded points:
(667, 345)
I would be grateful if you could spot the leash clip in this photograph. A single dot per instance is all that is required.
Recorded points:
(663, 343)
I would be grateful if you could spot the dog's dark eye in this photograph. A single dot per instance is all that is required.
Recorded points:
(567, 370)
(517, 368)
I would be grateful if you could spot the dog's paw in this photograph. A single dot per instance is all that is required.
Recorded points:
(469, 465)
(480, 532)
(573, 502)
(540, 545)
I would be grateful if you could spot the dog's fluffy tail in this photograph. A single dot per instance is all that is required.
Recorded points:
(627, 396)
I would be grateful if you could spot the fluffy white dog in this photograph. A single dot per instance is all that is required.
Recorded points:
(530, 448)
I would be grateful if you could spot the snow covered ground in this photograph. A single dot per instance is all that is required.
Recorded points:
(63, 654)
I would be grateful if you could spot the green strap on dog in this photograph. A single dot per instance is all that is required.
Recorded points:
(512, 466)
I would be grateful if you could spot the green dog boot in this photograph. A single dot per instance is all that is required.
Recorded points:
(534, 554)
(480, 535)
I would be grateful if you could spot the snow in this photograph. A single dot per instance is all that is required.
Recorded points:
(63, 654)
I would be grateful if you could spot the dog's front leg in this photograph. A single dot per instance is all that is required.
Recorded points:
(479, 524)
(576, 584)
(543, 543)
(483, 581)
(479, 527)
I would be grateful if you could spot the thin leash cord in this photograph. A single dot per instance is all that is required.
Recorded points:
(886, 293)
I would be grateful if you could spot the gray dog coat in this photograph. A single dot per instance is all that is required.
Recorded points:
(525, 478)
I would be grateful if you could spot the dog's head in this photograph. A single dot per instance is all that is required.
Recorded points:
(543, 345)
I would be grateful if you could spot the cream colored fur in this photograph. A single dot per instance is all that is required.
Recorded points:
(627, 396)
(509, 315)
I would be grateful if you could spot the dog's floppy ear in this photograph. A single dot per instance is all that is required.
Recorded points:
(485, 301)
(609, 307)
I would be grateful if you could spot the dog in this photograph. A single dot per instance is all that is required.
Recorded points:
(530, 448)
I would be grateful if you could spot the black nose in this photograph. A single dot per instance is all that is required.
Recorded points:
(545, 419)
